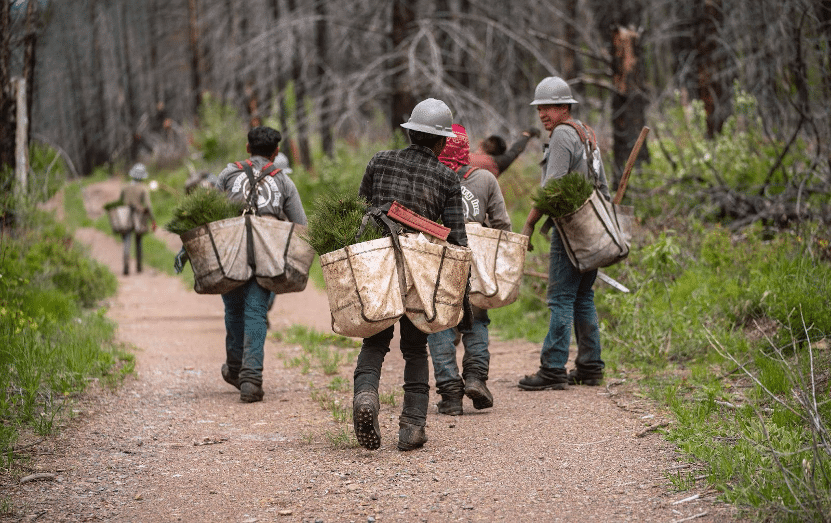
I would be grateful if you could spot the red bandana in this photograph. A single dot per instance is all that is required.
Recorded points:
(457, 151)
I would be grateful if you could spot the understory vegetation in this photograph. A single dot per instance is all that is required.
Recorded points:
(726, 325)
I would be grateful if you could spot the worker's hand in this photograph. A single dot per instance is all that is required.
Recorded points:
(533, 132)
(528, 231)
(180, 260)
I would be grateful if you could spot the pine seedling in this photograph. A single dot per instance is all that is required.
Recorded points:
(202, 206)
(335, 221)
(564, 195)
(113, 204)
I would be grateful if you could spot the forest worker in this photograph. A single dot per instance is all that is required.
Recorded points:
(416, 179)
(137, 196)
(483, 204)
(570, 296)
(246, 307)
(493, 153)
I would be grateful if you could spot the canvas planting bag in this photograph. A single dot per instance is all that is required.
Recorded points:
(498, 262)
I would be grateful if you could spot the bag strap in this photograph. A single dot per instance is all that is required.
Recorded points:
(248, 168)
(466, 174)
(589, 141)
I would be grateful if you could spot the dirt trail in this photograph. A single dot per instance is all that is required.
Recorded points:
(175, 443)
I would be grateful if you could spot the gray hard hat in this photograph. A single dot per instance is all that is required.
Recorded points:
(431, 116)
(138, 172)
(282, 162)
(552, 90)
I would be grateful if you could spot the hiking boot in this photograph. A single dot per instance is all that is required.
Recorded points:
(231, 378)
(450, 405)
(477, 390)
(365, 408)
(410, 436)
(250, 393)
(545, 379)
(575, 377)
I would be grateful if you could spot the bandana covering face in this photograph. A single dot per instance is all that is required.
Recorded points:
(457, 151)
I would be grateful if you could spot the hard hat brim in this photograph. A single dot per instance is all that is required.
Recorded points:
(427, 129)
(544, 101)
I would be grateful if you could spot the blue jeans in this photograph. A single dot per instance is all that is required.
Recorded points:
(246, 316)
(414, 350)
(476, 360)
(571, 300)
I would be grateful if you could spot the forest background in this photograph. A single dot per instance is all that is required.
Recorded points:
(728, 321)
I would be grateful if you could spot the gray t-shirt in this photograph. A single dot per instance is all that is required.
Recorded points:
(276, 193)
(482, 199)
(565, 154)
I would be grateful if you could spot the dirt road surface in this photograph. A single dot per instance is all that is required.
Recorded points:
(175, 444)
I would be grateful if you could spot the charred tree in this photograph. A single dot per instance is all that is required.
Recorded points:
(7, 119)
(403, 20)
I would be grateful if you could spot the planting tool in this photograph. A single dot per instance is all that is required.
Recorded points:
(624, 178)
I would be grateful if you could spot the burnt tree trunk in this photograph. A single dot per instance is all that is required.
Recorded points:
(628, 101)
(7, 121)
(324, 97)
(712, 87)
(298, 75)
(403, 18)
(195, 74)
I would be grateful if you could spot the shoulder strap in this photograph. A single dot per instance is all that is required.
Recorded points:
(467, 172)
(248, 168)
(589, 140)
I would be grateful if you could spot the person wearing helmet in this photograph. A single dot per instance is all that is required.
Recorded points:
(416, 179)
(571, 147)
(281, 162)
(137, 196)
(483, 204)
(257, 181)
(493, 153)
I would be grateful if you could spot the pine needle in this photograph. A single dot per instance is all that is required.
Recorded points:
(200, 207)
(335, 221)
(564, 195)
(113, 204)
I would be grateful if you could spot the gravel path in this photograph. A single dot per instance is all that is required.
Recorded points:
(175, 443)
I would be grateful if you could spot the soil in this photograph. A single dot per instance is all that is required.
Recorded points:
(175, 444)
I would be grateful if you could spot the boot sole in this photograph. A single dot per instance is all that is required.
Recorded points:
(555, 386)
(587, 382)
(367, 430)
(480, 400)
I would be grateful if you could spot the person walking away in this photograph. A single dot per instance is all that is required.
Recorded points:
(570, 296)
(136, 195)
(246, 307)
(483, 204)
(416, 179)
(493, 153)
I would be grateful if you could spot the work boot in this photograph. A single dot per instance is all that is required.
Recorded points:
(410, 436)
(365, 406)
(250, 393)
(411, 423)
(576, 377)
(477, 390)
(232, 378)
(545, 379)
(450, 404)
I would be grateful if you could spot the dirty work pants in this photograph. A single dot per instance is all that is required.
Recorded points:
(476, 360)
(246, 317)
(126, 238)
(571, 300)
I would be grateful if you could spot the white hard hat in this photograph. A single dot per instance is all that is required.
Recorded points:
(282, 162)
(138, 172)
(431, 116)
(552, 90)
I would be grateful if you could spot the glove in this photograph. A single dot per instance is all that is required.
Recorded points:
(534, 132)
(180, 260)
(466, 323)
(154, 225)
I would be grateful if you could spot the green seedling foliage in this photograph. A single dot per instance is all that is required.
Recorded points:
(564, 195)
(336, 221)
(200, 207)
